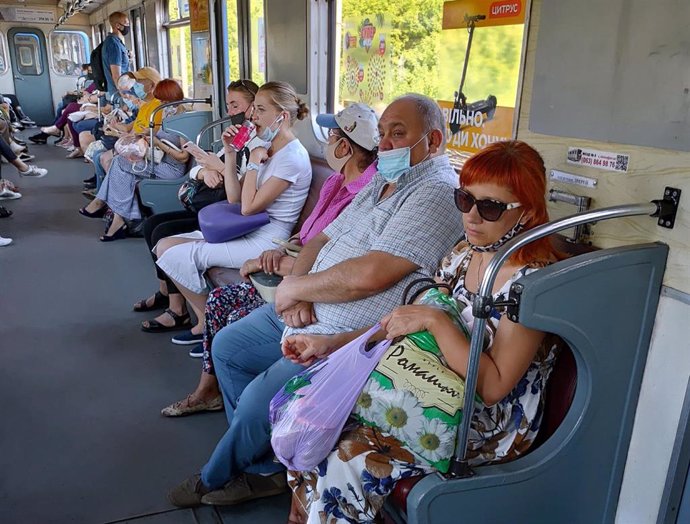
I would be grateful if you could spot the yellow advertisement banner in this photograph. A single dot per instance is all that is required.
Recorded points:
(495, 12)
(476, 129)
(198, 14)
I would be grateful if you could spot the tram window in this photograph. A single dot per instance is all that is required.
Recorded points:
(233, 52)
(180, 44)
(28, 54)
(69, 49)
(3, 55)
(407, 46)
(258, 41)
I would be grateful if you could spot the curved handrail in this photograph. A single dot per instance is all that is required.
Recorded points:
(481, 307)
(152, 122)
(211, 125)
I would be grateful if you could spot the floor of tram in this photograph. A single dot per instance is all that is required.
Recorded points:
(81, 386)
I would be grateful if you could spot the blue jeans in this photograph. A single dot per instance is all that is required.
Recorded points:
(250, 369)
(100, 172)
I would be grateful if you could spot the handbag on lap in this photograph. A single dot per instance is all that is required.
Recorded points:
(224, 221)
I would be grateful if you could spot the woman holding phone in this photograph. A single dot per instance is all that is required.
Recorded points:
(276, 180)
(118, 189)
(209, 171)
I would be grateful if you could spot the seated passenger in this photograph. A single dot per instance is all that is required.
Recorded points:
(209, 170)
(502, 193)
(276, 180)
(351, 154)
(118, 189)
(395, 230)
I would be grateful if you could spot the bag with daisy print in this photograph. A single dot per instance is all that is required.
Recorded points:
(413, 395)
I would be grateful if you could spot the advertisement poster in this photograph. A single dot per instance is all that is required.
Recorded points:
(198, 15)
(201, 59)
(24, 14)
(365, 60)
(480, 108)
(598, 159)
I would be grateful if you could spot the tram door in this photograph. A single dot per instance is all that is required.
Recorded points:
(31, 75)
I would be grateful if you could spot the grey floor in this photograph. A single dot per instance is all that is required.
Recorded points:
(81, 386)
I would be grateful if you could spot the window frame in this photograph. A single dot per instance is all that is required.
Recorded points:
(4, 44)
(87, 51)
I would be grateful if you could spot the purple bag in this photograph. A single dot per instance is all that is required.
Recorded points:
(308, 414)
(224, 221)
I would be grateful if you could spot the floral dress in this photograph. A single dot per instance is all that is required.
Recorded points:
(351, 484)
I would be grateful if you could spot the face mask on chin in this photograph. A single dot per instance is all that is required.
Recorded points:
(268, 134)
(490, 248)
(396, 162)
(238, 119)
(335, 163)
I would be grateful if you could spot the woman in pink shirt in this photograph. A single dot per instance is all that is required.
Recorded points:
(351, 153)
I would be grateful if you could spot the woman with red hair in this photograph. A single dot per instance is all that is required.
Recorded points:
(502, 192)
(117, 191)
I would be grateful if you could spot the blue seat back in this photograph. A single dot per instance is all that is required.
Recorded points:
(603, 304)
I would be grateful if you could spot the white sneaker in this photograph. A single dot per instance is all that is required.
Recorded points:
(8, 194)
(5, 241)
(16, 148)
(34, 171)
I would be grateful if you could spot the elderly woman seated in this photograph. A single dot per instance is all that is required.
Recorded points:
(118, 189)
(394, 436)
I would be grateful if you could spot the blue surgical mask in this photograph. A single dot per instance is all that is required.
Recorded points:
(268, 134)
(128, 103)
(395, 163)
(139, 90)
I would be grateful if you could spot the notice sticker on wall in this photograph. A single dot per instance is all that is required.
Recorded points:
(598, 159)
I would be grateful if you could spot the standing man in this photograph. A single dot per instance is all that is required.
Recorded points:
(115, 54)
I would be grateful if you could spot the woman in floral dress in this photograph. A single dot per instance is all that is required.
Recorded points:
(502, 193)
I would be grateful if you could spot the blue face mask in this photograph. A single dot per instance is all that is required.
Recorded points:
(268, 134)
(131, 105)
(139, 90)
(395, 163)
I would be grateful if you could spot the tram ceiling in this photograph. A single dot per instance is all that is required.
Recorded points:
(72, 7)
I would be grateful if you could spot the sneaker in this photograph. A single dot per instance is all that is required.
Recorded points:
(189, 493)
(7, 194)
(26, 157)
(16, 148)
(39, 138)
(34, 171)
(91, 180)
(27, 122)
(197, 351)
(247, 486)
(187, 338)
(51, 130)
(90, 185)
(5, 241)
(186, 407)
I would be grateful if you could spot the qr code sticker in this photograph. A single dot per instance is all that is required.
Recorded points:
(622, 162)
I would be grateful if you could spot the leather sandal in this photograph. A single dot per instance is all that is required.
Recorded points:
(181, 322)
(160, 301)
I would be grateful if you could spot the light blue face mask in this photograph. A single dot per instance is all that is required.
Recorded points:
(268, 134)
(139, 90)
(131, 105)
(395, 163)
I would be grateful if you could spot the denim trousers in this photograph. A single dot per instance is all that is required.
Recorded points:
(250, 369)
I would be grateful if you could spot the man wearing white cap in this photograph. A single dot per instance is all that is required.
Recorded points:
(348, 277)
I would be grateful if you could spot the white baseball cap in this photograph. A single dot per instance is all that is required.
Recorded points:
(358, 121)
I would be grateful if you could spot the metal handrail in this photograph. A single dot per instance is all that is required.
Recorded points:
(481, 307)
(211, 125)
(152, 122)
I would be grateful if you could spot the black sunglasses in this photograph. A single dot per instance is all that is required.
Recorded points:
(489, 210)
(240, 83)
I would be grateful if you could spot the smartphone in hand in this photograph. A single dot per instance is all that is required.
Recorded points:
(170, 145)
(194, 150)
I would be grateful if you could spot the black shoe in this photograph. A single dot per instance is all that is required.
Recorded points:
(89, 186)
(18, 141)
(39, 138)
(91, 180)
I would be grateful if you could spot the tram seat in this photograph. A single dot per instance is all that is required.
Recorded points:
(220, 276)
(603, 305)
(160, 196)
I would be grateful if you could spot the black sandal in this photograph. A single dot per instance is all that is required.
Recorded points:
(160, 301)
(181, 322)
(4, 212)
